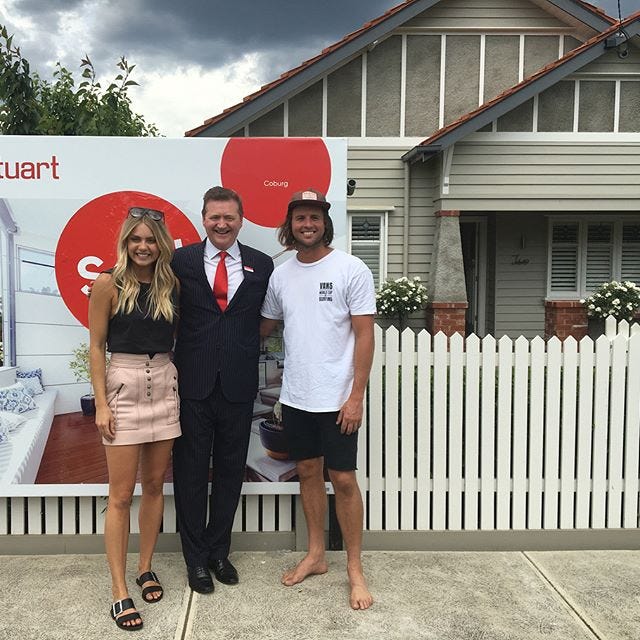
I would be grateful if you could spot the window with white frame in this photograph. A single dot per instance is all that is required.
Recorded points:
(585, 252)
(367, 241)
(36, 272)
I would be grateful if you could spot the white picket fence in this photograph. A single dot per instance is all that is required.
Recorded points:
(459, 434)
(486, 434)
(613, 327)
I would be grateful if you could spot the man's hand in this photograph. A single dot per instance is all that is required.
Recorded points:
(350, 416)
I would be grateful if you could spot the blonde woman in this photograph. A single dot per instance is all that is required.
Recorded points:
(133, 314)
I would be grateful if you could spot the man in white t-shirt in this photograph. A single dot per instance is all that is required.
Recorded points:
(326, 299)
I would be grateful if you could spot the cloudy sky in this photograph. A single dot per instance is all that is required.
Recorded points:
(193, 57)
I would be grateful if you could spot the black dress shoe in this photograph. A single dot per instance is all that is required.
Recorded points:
(224, 571)
(200, 579)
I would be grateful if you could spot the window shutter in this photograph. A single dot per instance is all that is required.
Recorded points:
(564, 257)
(366, 242)
(599, 255)
(630, 268)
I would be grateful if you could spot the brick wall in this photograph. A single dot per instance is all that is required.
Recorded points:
(448, 317)
(564, 318)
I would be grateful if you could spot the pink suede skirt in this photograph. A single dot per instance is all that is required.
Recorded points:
(142, 393)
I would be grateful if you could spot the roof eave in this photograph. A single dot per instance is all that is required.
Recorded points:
(422, 152)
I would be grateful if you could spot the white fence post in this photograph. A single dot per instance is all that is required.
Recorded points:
(505, 382)
(585, 432)
(441, 400)
(455, 454)
(520, 432)
(391, 470)
(536, 433)
(487, 436)
(600, 432)
(407, 451)
(471, 432)
(423, 436)
(568, 440)
(616, 429)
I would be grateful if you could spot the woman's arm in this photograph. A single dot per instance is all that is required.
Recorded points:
(101, 302)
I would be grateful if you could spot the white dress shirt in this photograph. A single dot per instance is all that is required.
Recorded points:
(233, 262)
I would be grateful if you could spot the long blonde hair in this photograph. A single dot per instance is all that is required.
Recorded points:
(164, 281)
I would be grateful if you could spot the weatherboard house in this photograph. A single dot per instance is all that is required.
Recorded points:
(495, 146)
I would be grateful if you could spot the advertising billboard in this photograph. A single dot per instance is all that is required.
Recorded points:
(62, 201)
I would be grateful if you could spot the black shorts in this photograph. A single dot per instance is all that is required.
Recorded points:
(313, 435)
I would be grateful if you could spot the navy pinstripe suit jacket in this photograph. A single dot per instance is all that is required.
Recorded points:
(210, 341)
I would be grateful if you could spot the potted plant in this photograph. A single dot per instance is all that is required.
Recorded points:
(272, 435)
(400, 297)
(79, 365)
(618, 299)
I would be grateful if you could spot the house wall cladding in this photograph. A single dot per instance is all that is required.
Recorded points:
(379, 174)
(534, 173)
(467, 14)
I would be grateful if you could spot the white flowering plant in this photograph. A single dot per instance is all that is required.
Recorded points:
(400, 297)
(618, 299)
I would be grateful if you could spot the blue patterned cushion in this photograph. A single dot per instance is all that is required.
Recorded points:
(29, 373)
(32, 385)
(15, 399)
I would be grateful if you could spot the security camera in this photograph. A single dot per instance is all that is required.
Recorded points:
(351, 186)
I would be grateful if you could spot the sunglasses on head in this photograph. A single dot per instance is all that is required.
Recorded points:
(142, 212)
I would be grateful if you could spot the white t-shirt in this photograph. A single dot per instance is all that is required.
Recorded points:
(316, 301)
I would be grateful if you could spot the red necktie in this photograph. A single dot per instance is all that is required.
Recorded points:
(221, 282)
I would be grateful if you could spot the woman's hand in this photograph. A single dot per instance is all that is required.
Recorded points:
(105, 423)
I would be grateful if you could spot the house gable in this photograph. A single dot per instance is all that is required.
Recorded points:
(413, 70)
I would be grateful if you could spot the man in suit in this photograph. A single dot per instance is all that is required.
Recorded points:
(222, 286)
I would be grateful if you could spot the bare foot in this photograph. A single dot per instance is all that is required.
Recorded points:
(359, 598)
(306, 567)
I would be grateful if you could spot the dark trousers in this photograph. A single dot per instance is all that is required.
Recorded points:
(210, 427)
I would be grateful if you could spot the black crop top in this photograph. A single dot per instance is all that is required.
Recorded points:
(137, 332)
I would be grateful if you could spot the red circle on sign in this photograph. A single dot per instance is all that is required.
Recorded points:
(87, 244)
(267, 171)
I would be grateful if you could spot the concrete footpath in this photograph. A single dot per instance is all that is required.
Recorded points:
(565, 595)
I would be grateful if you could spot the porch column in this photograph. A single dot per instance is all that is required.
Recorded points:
(446, 287)
(564, 318)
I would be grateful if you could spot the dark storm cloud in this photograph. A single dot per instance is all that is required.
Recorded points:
(165, 34)
(212, 33)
